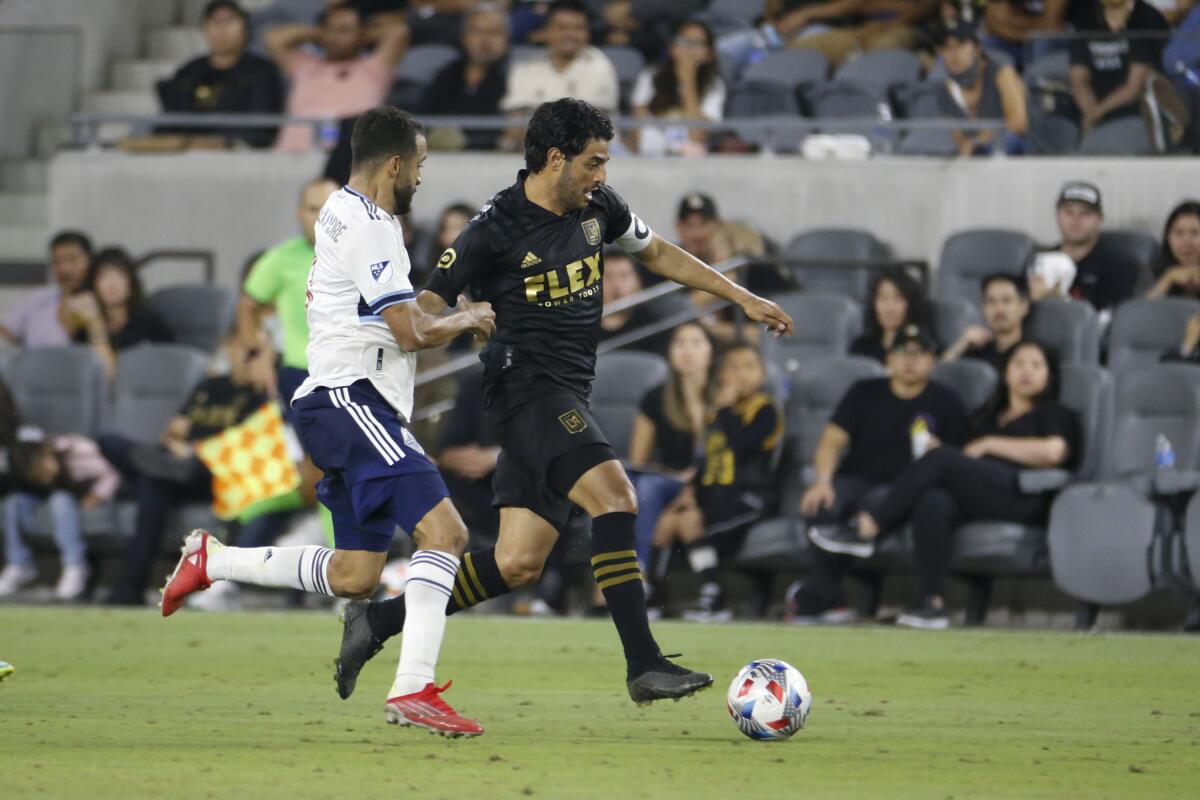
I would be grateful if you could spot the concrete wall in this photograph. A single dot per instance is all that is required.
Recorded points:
(237, 203)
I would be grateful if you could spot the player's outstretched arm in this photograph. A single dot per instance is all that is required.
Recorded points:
(417, 329)
(675, 263)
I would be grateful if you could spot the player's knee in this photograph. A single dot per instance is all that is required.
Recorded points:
(353, 584)
(621, 500)
(519, 569)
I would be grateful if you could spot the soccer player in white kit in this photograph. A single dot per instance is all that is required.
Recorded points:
(351, 415)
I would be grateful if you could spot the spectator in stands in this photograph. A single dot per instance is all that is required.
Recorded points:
(733, 484)
(569, 67)
(782, 21)
(979, 89)
(474, 84)
(468, 459)
(1022, 427)
(1109, 69)
(896, 302)
(1103, 276)
(66, 475)
(169, 475)
(872, 25)
(112, 312)
(439, 21)
(1189, 348)
(426, 252)
(621, 280)
(1179, 264)
(1010, 22)
(684, 85)
(44, 318)
(697, 224)
(341, 82)
(668, 430)
(879, 427)
(1005, 307)
(229, 80)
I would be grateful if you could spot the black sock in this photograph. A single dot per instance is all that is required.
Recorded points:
(615, 567)
(478, 579)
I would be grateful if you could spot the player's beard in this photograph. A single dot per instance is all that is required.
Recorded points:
(402, 196)
(571, 195)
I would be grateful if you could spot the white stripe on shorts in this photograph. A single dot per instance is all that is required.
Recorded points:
(369, 418)
(340, 399)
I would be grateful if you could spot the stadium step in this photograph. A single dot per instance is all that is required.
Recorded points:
(24, 175)
(175, 44)
(25, 208)
(23, 242)
(140, 75)
(121, 103)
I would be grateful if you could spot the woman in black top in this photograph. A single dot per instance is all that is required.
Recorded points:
(1022, 427)
(896, 301)
(1179, 264)
(668, 428)
(113, 308)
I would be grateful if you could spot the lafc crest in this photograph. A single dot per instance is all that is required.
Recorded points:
(591, 230)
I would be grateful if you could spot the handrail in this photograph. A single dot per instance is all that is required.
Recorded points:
(205, 257)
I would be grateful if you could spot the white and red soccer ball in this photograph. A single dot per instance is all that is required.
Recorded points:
(769, 699)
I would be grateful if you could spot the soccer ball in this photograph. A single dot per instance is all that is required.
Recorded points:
(769, 699)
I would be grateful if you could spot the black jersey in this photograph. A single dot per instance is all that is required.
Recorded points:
(542, 273)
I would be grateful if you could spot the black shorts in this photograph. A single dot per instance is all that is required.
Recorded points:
(536, 423)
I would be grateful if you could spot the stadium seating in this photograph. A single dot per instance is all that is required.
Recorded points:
(59, 389)
(628, 62)
(792, 68)
(825, 325)
(152, 383)
(1143, 330)
(882, 69)
(622, 378)
(1137, 248)
(836, 244)
(950, 316)
(198, 315)
(1070, 327)
(971, 255)
(974, 381)
(418, 69)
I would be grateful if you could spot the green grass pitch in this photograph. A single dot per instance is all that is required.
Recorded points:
(125, 704)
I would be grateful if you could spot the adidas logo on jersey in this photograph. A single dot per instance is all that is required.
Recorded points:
(530, 260)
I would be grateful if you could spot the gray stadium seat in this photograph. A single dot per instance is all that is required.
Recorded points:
(921, 101)
(845, 99)
(1142, 330)
(59, 389)
(825, 326)
(969, 256)
(883, 69)
(200, 316)
(1137, 248)
(837, 244)
(1119, 137)
(765, 100)
(950, 316)
(627, 61)
(7, 354)
(793, 68)
(423, 62)
(744, 10)
(151, 385)
(1070, 327)
(974, 381)
(1101, 532)
(622, 378)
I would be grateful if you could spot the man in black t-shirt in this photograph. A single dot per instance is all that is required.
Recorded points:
(1005, 307)
(1104, 276)
(535, 252)
(877, 430)
(1111, 62)
(228, 80)
(474, 84)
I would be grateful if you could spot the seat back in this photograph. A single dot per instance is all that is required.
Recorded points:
(152, 383)
(1161, 399)
(974, 381)
(422, 63)
(882, 69)
(1137, 249)
(969, 256)
(792, 67)
(950, 316)
(1142, 330)
(1070, 327)
(845, 99)
(837, 244)
(622, 378)
(198, 315)
(758, 99)
(59, 389)
(628, 63)
(825, 325)
(817, 388)
(1088, 390)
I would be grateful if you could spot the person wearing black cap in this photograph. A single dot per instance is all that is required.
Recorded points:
(697, 224)
(879, 427)
(228, 80)
(1103, 277)
(1023, 426)
(977, 87)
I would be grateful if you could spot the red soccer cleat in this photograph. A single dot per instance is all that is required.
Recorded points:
(191, 573)
(426, 709)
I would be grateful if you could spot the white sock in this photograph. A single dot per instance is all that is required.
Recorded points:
(305, 568)
(430, 582)
(702, 558)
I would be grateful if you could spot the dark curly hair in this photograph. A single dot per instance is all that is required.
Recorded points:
(567, 125)
(666, 83)
(998, 403)
(380, 134)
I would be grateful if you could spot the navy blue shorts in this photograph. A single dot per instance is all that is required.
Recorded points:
(288, 380)
(376, 474)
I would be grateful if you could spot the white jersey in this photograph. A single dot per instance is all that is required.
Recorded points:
(361, 268)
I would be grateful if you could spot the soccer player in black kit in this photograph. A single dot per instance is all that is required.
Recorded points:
(534, 252)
